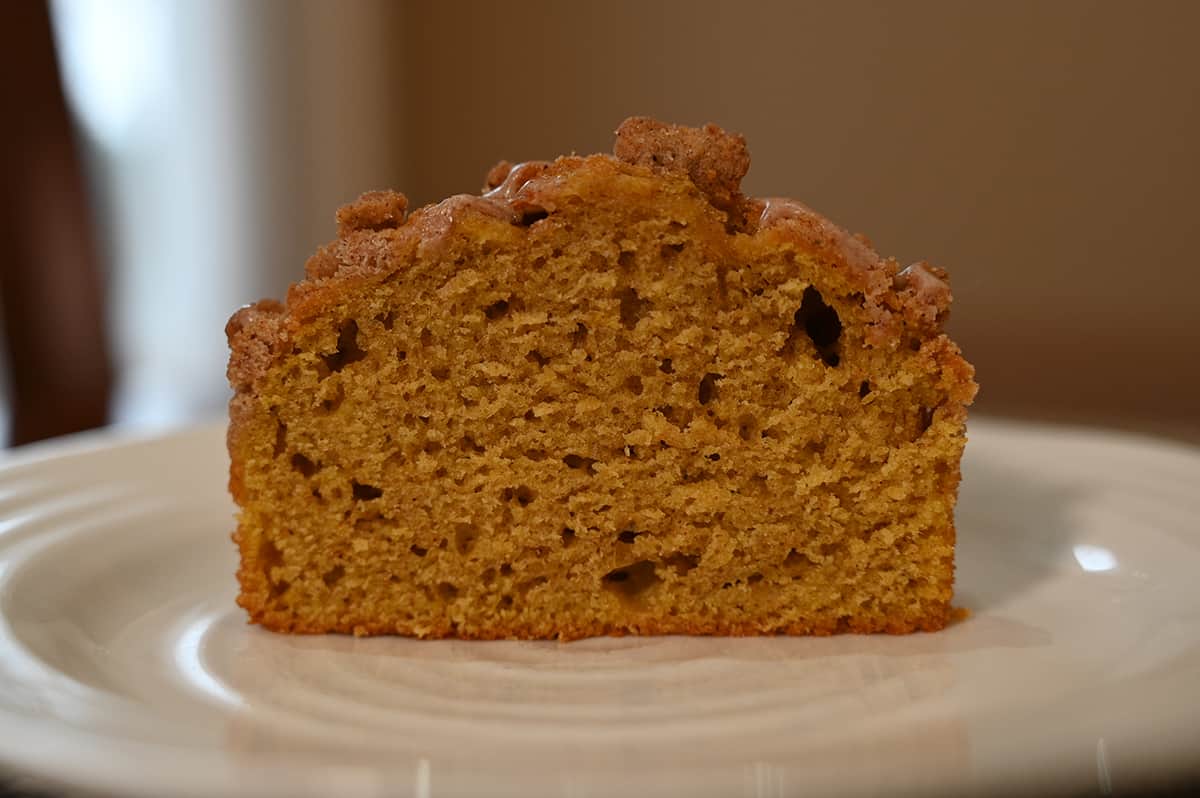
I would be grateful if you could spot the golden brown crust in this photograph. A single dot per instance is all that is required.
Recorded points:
(255, 334)
(374, 228)
(496, 175)
(715, 161)
(936, 618)
(515, 178)
(375, 210)
(903, 305)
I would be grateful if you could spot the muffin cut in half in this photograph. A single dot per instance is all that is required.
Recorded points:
(610, 395)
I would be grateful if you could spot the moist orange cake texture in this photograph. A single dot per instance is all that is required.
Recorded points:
(609, 395)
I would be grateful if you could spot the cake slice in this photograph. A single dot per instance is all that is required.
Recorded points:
(609, 395)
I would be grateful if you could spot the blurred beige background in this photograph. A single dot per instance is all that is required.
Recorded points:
(1044, 153)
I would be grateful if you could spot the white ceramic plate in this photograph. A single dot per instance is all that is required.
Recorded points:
(126, 668)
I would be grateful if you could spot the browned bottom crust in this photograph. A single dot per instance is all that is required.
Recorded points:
(937, 617)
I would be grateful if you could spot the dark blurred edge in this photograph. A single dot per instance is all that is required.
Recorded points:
(22, 788)
(51, 285)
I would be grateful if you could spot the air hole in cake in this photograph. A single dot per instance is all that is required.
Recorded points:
(524, 495)
(714, 456)
(279, 588)
(388, 320)
(722, 286)
(269, 558)
(924, 420)
(832, 550)
(579, 335)
(669, 251)
(531, 584)
(568, 537)
(674, 416)
(632, 581)
(426, 337)
(446, 591)
(754, 578)
(914, 344)
(420, 551)
(529, 415)
(633, 384)
(536, 455)
(868, 533)
(747, 426)
(633, 308)
(333, 575)
(532, 216)
(332, 403)
(348, 350)
(431, 447)
(797, 562)
(535, 356)
(280, 438)
(464, 538)
(576, 461)
(631, 452)
(683, 564)
(629, 536)
(303, 465)
(707, 391)
(506, 602)
(363, 492)
(821, 324)
(488, 576)
(497, 310)
(440, 373)
(401, 356)
(506, 569)
(625, 259)
(666, 366)
(864, 388)
(468, 444)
